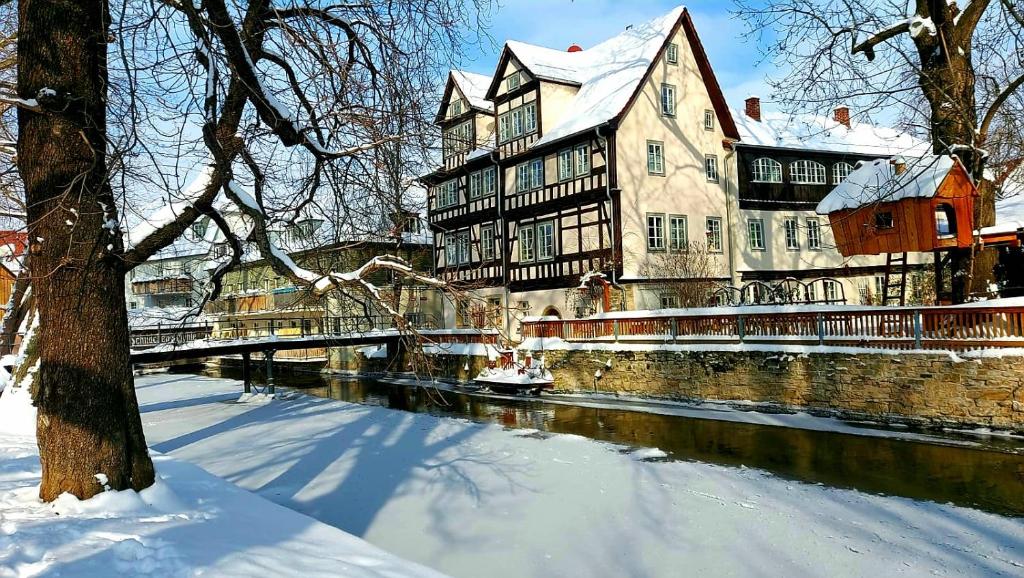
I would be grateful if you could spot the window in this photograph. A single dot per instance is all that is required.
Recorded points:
(457, 139)
(462, 247)
(831, 290)
(655, 232)
(512, 82)
(450, 250)
(711, 168)
(792, 229)
(489, 181)
(883, 220)
(526, 248)
(199, 228)
(813, 235)
(545, 240)
(805, 172)
(714, 234)
(504, 128)
(945, 220)
(447, 194)
(755, 234)
(487, 242)
(669, 301)
(536, 173)
(475, 185)
(709, 120)
(767, 171)
(840, 171)
(655, 157)
(668, 100)
(678, 236)
(517, 122)
(522, 177)
(672, 53)
(812, 293)
(565, 165)
(455, 108)
(582, 160)
(530, 112)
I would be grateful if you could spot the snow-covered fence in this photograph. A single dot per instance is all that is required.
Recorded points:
(954, 328)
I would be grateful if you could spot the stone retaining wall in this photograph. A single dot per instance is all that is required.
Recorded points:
(936, 389)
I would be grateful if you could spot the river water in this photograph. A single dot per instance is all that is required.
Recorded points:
(976, 471)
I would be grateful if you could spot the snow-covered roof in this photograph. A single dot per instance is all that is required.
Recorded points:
(821, 133)
(1009, 216)
(474, 87)
(608, 73)
(876, 181)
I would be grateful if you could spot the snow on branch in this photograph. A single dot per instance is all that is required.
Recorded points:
(876, 38)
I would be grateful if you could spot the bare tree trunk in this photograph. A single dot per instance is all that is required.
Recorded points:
(89, 419)
(948, 81)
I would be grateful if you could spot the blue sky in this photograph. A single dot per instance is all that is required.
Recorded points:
(559, 23)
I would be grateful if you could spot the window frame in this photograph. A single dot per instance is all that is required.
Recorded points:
(762, 164)
(659, 157)
(523, 244)
(442, 191)
(791, 229)
(455, 108)
(813, 233)
(487, 252)
(565, 170)
(492, 187)
(656, 232)
(538, 236)
(511, 86)
(715, 233)
(801, 172)
(530, 120)
(476, 177)
(668, 99)
(709, 119)
(585, 157)
(758, 225)
(536, 177)
(678, 245)
(504, 127)
(711, 168)
(672, 53)
(672, 298)
(835, 172)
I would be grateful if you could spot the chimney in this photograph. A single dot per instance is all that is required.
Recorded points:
(842, 115)
(754, 107)
(899, 165)
(575, 48)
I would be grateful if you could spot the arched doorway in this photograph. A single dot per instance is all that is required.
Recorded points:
(552, 312)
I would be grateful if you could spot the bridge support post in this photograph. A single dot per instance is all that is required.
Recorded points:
(269, 356)
(246, 372)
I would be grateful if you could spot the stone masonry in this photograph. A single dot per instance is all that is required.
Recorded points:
(929, 389)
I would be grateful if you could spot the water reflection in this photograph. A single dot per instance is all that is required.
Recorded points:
(984, 479)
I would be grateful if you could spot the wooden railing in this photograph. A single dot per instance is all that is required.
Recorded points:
(952, 328)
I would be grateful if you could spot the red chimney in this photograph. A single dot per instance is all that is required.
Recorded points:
(842, 115)
(575, 48)
(754, 107)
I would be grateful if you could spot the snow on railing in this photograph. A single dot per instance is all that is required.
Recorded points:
(956, 328)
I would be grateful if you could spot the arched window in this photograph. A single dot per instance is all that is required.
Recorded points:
(767, 171)
(945, 220)
(840, 171)
(807, 173)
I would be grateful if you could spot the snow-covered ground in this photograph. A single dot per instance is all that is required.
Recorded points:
(479, 500)
(189, 523)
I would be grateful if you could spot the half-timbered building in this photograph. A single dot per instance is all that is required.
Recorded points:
(614, 160)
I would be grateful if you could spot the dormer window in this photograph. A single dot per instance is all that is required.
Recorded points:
(806, 172)
(767, 171)
(672, 53)
(512, 82)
